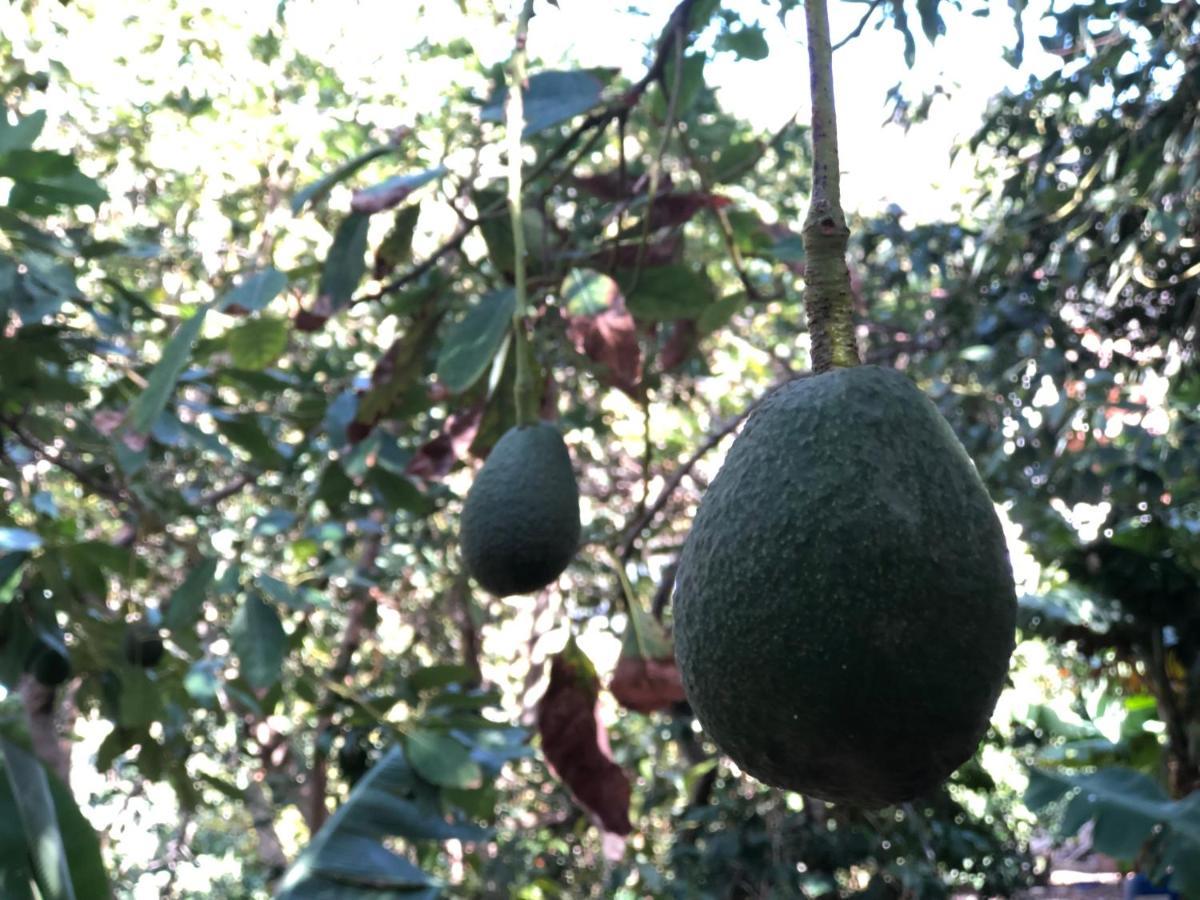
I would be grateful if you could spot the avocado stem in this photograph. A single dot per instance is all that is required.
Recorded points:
(828, 299)
(524, 390)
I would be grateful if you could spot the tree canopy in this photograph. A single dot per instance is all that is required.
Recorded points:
(262, 321)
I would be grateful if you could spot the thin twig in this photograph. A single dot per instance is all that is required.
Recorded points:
(858, 29)
(714, 438)
(57, 459)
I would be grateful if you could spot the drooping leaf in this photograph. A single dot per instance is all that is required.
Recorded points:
(318, 189)
(161, 383)
(259, 641)
(257, 343)
(30, 788)
(348, 853)
(254, 292)
(575, 742)
(472, 343)
(1127, 809)
(550, 97)
(396, 248)
(184, 605)
(685, 82)
(392, 192)
(345, 264)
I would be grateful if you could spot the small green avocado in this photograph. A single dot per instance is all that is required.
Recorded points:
(142, 645)
(845, 608)
(520, 522)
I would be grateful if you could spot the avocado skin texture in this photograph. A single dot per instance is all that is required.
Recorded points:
(845, 608)
(520, 522)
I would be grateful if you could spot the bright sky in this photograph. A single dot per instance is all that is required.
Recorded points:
(880, 164)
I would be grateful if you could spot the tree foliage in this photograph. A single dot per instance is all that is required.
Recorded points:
(243, 392)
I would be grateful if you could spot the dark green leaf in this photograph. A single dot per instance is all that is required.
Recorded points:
(255, 291)
(39, 818)
(441, 760)
(438, 676)
(472, 343)
(392, 192)
(183, 607)
(259, 641)
(345, 264)
(22, 135)
(550, 98)
(161, 383)
(257, 343)
(666, 292)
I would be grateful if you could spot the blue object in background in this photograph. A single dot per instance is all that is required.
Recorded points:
(1138, 885)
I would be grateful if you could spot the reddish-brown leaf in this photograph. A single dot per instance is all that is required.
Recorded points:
(435, 458)
(646, 685)
(679, 346)
(610, 338)
(575, 742)
(670, 210)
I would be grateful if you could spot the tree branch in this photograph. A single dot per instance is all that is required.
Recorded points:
(724, 430)
(858, 29)
(828, 299)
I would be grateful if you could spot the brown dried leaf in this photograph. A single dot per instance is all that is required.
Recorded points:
(610, 338)
(575, 743)
(434, 459)
(647, 685)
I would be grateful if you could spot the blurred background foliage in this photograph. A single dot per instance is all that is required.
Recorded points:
(254, 343)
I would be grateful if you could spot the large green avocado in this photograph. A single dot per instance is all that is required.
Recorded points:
(845, 609)
(520, 522)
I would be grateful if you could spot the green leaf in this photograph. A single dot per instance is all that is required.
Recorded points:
(161, 383)
(345, 264)
(666, 292)
(689, 81)
(749, 42)
(44, 180)
(717, 315)
(398, 493)
(19, 539)
(35, 807)
(10, 573)
(318, 189)
(396, 248)
(588, 293)
(550, 98)
(22, 135)
(259, 642)
(183, 607)
(246, 433)
(438, 676)
(441, 760)
(349, 854)
(255, 291)
(141, 700)
(257, 343)
(15, 875)
(472, 343)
